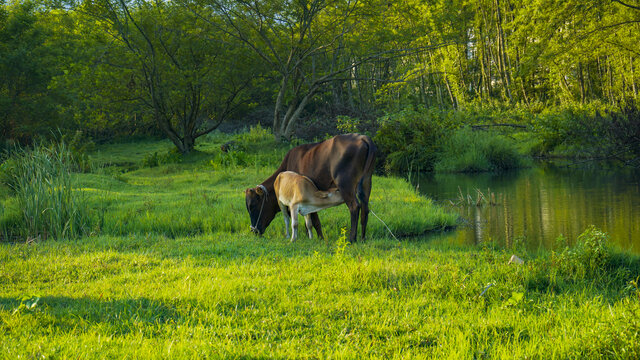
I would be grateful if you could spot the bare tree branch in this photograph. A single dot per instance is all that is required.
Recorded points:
(636, 7)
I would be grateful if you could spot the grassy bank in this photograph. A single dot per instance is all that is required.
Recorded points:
(200, 194)
(235, 296)
(168, 269)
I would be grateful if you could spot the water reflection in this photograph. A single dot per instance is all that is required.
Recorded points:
(537, 205)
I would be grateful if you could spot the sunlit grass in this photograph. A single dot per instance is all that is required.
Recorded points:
(170, 270)
(225, 295)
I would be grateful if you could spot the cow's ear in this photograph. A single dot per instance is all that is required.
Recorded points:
(259, 191)
(249, 191)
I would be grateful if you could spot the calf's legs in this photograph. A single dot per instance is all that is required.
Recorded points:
(286, 216)
(294, 222)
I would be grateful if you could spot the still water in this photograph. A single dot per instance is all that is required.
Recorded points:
(535, 206)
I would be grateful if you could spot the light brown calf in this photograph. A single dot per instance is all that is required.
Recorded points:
(298, 194)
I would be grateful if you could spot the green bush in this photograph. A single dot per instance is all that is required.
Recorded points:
(346, 124)
(409, 139)
(588, 131)
(591, 256)
(466, 150)
(592, 251)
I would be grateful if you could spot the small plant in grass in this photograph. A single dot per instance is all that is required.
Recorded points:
(593, 249)
(229, 160)
(590, 256)
(27, 304)
(257, 134)
(341, 244)
(634, 288)
(155, 159)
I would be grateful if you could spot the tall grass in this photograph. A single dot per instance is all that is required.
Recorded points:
(42, 182)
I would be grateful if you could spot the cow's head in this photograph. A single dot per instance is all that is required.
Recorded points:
(262, 207)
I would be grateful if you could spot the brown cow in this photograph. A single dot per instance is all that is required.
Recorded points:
(298, 194)
(344, 161)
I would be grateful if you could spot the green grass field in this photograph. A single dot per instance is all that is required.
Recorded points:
(167, 268)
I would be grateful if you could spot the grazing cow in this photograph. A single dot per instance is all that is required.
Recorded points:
(298, 194)
(345, 162)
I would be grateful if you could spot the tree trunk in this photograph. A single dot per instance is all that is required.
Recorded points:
(278, 108)
(610, 73)
(502, 56)
(524, 91)
(634, 87)
(581, 78)
(565, 86)
(451, 96)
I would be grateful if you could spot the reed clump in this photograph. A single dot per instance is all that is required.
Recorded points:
(45, 198)
(480, 199)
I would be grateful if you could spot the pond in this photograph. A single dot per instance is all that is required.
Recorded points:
(535, 206)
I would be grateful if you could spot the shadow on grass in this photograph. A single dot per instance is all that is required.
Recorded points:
(120, 317)
(53, 315)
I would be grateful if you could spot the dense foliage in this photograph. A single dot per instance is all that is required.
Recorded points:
(114, 68)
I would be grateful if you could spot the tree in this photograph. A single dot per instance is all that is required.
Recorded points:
(26, 67)
(189, 78)
(298, 40)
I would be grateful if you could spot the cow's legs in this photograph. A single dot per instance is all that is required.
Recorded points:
(354, 208)
(364, 190)
(287, 218)
(294, 222)
(364, 218)
(315, 221)
(309, 225)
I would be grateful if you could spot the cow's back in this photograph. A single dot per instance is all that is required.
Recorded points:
(327, 161)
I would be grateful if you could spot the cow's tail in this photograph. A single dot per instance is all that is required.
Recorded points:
(371, 154)
(368, 166)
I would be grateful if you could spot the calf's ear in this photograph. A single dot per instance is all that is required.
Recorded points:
(258, 191)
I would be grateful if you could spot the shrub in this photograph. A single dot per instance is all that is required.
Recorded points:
(594, 131)
(592, 250)
(502, 153)
(408, 139)
(590, 256)
(466, 150)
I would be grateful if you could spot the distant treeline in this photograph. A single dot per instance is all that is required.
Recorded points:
(179, 69)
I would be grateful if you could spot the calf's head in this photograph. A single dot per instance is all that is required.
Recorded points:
(262, 208)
